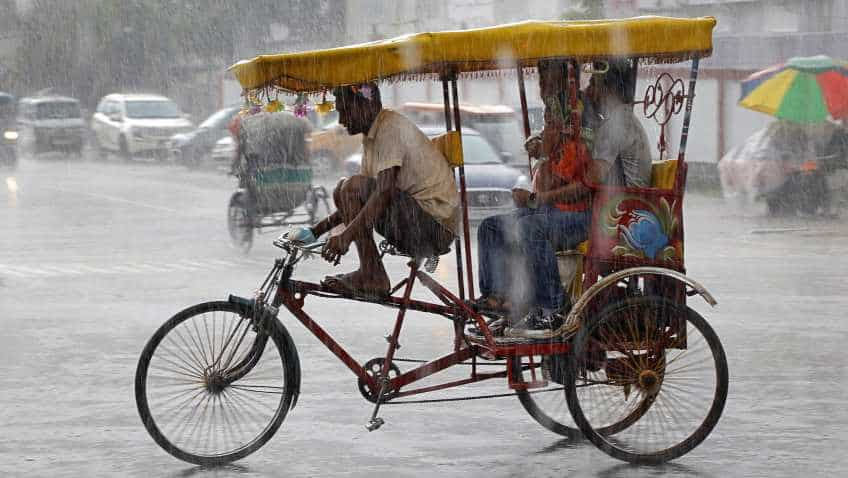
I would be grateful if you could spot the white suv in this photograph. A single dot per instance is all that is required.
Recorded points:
(136, 124)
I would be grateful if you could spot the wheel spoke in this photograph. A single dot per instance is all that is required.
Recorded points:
(187, 399)
(672, 385)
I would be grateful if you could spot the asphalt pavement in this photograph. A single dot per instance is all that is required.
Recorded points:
(96, 255)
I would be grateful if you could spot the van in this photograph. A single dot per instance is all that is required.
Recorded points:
(48, 124)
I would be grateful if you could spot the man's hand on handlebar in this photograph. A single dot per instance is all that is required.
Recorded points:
(336, 247)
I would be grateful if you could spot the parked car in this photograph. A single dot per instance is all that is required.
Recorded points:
(498, 124)
(195, 146)
(135, 124)
(488, 180)
(9, 131)
(224, 152)
(50, 124)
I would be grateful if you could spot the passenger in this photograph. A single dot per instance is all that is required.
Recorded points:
(501, 264)
(621, 155)
(405, 190)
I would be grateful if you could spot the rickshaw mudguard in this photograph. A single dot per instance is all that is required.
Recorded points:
(293, 359)
(610, 280)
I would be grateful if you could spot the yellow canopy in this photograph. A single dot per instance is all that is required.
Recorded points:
(493, 48)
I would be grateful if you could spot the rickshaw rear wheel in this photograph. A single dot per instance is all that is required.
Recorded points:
(240, 223)
(199, 394)
(549, 406)
(661, 363)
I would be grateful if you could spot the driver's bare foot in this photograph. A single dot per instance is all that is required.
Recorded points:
(360, 283)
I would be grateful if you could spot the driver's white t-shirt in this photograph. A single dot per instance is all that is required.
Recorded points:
(424, 174)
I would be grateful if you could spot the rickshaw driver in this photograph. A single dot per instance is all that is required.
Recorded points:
(405, 190)
(621, 156)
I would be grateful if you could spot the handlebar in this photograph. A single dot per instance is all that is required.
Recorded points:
(292, 246)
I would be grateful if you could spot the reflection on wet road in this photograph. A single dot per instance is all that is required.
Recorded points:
(96, 255)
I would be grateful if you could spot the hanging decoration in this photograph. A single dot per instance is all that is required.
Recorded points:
(300, 106)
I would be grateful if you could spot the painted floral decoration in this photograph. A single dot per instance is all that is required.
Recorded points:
(643, 230)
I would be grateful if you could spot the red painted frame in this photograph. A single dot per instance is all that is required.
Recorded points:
(293, 294)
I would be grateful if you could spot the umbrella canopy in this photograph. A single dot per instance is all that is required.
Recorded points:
(804, 90)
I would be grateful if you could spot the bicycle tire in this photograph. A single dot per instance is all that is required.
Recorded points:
(625, 448)
(277, 336)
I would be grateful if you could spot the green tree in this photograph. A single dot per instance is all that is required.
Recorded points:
(87, 48)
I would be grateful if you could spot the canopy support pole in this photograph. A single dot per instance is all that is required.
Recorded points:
(460, 279)
(522, 94)
(684, 135)
(573, 85)
(463, 197)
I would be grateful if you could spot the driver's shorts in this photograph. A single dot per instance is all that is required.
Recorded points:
(411, 230)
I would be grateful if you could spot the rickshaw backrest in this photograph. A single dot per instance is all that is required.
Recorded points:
(276, 161)
(663, 174)
(280, 189)
(270, 140)
(630, 227)
(450, 145)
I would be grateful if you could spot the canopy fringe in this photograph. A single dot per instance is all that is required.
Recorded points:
(435, 72)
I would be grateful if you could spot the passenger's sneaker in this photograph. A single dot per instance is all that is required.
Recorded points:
(496, 327)
(536, 325)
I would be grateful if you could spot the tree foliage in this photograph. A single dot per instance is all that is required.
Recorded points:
(90, 47)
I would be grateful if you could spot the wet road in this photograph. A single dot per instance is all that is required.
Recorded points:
(95, 256)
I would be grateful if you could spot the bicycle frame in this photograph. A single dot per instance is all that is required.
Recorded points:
(292, 294)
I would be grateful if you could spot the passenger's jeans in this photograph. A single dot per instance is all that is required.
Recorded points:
(517, 253)
(541, 235)
(498, 254)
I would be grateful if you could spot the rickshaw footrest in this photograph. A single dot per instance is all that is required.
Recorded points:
(528, 385)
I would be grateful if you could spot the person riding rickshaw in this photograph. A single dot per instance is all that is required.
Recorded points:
(624, 380)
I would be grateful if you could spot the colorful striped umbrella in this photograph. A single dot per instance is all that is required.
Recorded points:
(804, 90)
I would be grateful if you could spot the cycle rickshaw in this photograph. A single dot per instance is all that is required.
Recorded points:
(645, 378)
(275, 177)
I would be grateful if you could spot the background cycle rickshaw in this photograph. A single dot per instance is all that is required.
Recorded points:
(645, 379)
(275, 173)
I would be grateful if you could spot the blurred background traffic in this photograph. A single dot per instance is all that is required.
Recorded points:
(140, 80)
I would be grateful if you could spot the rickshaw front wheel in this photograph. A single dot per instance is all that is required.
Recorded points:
(211, 387)
(657, 362)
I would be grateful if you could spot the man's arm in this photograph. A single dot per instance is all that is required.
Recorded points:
(575, 192)
(361, 225)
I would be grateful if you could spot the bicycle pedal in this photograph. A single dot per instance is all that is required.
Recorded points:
(374, 424)
(389, 340)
